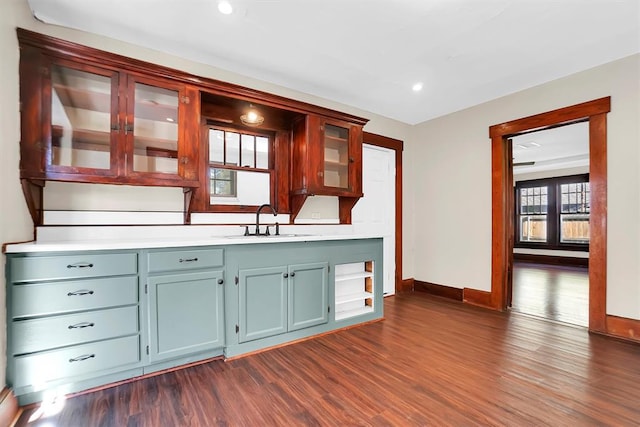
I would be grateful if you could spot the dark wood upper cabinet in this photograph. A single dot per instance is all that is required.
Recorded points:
(96, 117)
(326, 161)
(92, 122)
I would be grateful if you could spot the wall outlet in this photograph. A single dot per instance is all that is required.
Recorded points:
(315, 215)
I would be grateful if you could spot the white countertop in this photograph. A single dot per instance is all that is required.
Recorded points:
(159, 242)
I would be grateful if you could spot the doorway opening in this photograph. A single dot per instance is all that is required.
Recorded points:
(551, 224)
(595, 113)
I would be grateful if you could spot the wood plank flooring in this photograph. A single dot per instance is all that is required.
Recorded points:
(551, 291)
(431, 362)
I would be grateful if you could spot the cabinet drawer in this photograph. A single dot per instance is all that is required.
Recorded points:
(30, 336)
(184, 260)
(40, 368)
(39, 299)
(30, 269)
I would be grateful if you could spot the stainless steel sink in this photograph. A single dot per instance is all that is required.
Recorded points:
(262, 236)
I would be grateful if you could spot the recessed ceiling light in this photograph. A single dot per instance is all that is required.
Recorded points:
(417, 87)
(225, 7)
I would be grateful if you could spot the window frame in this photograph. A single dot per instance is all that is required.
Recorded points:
(553, 213)
(241, 130)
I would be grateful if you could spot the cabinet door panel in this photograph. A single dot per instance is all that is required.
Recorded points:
(84, 122)
(33, 269)
(263, 302)
(45, 298)
(308, 295)
(154, 127)
(184, 260)
(186, 312)
(336, 156)
(58, 331)
(40, 368)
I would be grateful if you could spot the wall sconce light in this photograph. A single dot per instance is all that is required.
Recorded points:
(252, 117)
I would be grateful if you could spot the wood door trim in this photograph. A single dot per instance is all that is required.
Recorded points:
(595, 113)
(397, 145)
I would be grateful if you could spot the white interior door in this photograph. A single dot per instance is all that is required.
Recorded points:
(375, 213)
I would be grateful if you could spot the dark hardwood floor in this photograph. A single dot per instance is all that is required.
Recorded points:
(553, 292)
(431, 362)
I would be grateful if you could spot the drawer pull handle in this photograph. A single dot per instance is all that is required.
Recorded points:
(80, 265)
(188, 259)
(82, 325)
(81, 358)
(80, 293)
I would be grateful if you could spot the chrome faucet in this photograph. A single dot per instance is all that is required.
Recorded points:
(266, 205)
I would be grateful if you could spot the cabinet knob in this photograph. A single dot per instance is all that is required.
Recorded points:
(352, 160)
(285, 275)
(220, 281)
(293, 274)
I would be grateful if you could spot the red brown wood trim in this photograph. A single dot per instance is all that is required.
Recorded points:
(58, 47)
(476, 297)
(9, 409)
(406, 285)
(438, 290)
(500, 189)
(553, 260)
(594, 111)
(623, 327)
(383, 141)
(598, 223)
(561, 116)
(33, 192)
(397, 145)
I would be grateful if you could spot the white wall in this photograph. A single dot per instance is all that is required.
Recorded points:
(452, 172)
(15, 223)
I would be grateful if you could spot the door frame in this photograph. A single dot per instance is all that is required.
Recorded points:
(397, 146)
(595, 112)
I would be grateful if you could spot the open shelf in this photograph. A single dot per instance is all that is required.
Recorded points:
(358, 296)
(354, 312)
(354, 290)
(351, 276)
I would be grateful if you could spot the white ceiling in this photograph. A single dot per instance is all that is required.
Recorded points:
(369, 53)
(552, 149)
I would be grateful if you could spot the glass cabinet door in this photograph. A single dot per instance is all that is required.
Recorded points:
(82, 118)
(336, 156)
(155, 129)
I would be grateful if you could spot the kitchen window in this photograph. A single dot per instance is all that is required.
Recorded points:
(240, 171)
(553, 213)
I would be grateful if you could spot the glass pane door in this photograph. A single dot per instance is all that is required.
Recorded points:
(80, 119)
(155, 129)
(336, 156)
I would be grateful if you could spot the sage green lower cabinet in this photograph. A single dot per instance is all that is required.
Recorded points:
(82, 319)
(262, 303)
(73, 322)
(275, 300)
(308, 303)
(278, 293)
(184, 290)
(186, 314)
